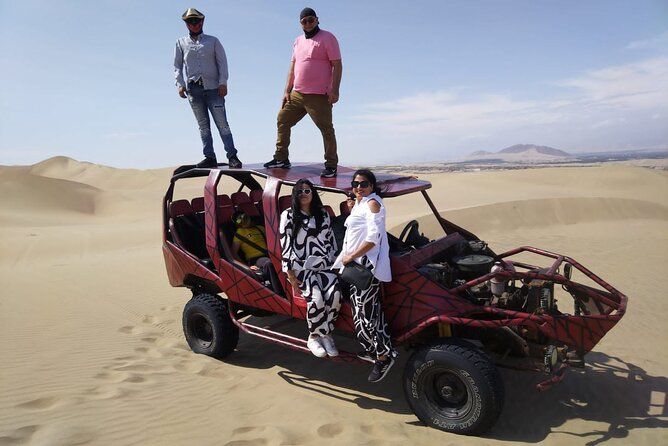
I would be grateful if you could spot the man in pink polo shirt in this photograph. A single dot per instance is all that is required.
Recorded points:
(312, 87)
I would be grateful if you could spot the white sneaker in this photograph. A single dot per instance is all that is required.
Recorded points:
(316, 348)
(328, 342)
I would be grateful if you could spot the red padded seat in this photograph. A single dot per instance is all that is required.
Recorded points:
(256, 196)
(240, 197)
(198, 204)
(225, 214)
(180, 207)
(284, 202)
(249, 209)
(224, 200)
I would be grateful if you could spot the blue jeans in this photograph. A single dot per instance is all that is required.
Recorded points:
(202, 102)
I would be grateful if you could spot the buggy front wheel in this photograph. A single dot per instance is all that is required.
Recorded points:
(453, 386)
(208, 327)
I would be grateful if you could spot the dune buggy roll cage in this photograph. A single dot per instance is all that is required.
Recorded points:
(412, 302)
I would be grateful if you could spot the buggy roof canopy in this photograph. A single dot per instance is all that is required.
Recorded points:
(392, 185)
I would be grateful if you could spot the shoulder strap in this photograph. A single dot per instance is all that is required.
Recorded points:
(251, 243)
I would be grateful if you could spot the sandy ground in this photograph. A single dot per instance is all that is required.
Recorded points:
(93, 352)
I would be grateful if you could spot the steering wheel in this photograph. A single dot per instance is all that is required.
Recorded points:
(411, 225)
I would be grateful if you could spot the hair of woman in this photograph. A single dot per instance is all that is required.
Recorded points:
(366, 173)
(316, 204)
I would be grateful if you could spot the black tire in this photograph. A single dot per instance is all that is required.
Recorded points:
(208, 327)
(453, 386)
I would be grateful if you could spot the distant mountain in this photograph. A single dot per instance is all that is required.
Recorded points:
(481, 153)
(519, 153)
(545, 150)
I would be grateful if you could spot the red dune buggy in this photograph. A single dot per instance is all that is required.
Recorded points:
(457, 307)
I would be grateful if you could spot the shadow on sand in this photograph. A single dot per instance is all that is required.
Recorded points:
(610, 391)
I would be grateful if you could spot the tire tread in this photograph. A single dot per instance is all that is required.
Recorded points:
(229, 331)
(481, 362)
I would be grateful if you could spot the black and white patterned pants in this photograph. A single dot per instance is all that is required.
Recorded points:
(322, 293)
(370, 325)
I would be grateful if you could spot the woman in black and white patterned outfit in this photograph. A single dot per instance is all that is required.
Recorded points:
(365, 242)
(306, 231)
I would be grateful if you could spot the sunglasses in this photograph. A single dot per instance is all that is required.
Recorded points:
(193, 21)
(307, 20)
(364, 183)
(304, 192)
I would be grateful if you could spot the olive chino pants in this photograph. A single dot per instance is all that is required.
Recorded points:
(320, 110)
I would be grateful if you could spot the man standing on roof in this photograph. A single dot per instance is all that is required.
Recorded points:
(312, 87)
(202, 58)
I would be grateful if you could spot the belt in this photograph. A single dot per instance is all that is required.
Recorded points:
(199, 82)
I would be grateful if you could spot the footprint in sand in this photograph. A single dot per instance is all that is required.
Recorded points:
(137, 368)
(153, 352)
(129, 329)
(330, 430)
(21, 435)
(108, 392)
(117, 377)
(63, 432)
(134, 379)
(252, 442)
(45, 403)
(246, 429)
(369, 429)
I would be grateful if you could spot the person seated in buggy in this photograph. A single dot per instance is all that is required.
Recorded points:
(250, 242)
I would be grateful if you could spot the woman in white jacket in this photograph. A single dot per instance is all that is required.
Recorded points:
(365, 242)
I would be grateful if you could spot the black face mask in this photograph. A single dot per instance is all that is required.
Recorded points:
(313, 32)
(192, 34)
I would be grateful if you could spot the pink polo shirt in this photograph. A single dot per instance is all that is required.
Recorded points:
(313, 69)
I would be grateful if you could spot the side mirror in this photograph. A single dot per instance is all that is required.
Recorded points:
(568, 271)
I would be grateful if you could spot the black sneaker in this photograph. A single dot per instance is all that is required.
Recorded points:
(380, 369)
(276, 164)
(328, 172)
(234, 162)
(209, 161)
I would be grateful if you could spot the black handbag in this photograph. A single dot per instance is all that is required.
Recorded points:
(357, 275)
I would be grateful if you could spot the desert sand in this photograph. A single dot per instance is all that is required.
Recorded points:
(93, 351)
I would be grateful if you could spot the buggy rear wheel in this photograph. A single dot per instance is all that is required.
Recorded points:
(454, 387)
(208, 327)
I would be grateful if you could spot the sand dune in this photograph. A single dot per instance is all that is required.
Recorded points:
(93, 351)
(28, 197)
(546, 212)
(103, 177)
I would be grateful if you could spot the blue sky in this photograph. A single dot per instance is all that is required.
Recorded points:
(427, 80)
